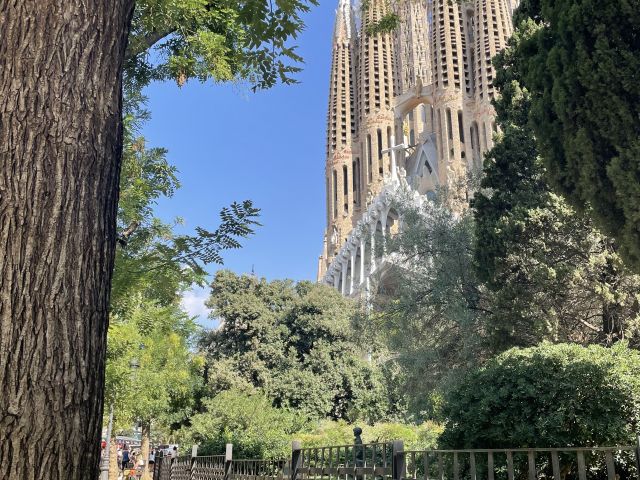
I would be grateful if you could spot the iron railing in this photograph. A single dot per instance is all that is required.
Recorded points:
(609, 463)
(389, 461)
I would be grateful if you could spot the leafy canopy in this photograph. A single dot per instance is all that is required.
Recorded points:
(550, 272)
(547, 396)
(580, 61)
(248, 421)
(428, 307)
(222, 40)
(293, 342)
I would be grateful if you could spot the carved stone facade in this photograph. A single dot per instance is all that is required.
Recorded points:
(407, 109)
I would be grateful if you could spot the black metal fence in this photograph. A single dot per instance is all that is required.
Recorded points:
(389, 461)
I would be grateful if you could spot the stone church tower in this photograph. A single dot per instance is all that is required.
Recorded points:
(343, 194)
(423, 90)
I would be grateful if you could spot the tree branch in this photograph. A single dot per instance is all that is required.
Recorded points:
(143, 44)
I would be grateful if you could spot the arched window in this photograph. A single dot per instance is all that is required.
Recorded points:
(442, 134)
(380, 164)
(356, 181)
(345, 187)
(433, 123)
(449, 125)
(335, 194)
(484, 134)
(369, 162)
(461, 126)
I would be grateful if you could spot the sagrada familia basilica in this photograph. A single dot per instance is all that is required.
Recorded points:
(409, 109)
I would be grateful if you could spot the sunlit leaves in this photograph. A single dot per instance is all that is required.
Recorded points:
(294, 343)
(222, 40)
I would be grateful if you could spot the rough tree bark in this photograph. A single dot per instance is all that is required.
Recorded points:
(113, 459)
(60, 151)
(144, 450)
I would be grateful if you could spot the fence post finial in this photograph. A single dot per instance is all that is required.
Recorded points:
(228, 460)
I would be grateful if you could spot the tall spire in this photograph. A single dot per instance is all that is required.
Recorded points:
(412, 44)
(343, 193)
(343, 28)
(376, 89)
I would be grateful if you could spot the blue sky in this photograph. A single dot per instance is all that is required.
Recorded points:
(231, 144)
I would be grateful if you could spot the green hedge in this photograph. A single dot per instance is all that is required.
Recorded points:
(547, 396)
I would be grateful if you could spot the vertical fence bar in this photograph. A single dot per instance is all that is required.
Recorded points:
(510, 465)
(611, 467)
(373, 460)
(472, 466)
(414, 475)
(330, 463)
(582, 469)
(555, 463)
(398, 460)
(490, 469)
(194, 456)
(296, 458)
(531, 457)
(440, 467)
(638, 455)
(228, 460)
(456, 467)
(426, 465)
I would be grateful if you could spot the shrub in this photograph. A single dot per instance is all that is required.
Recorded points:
(415, 437)
(547, 396)
(248, 421)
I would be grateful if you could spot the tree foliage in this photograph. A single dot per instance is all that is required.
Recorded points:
(428, 306)
(416, 437)
(226, 40)
(249, 421)
(547, 396)
(151, 369)
(580, 61)
(294, 343)
(154, 267)
(551, 273)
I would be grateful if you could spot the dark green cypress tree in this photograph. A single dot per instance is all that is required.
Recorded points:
(582, 67)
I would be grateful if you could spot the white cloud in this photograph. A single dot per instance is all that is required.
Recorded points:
(193, 303)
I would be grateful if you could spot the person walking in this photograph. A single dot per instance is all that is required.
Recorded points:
(126, 457)
(174, 454)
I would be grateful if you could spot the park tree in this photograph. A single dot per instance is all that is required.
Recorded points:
(426, 313)
(550, 273)
(152, 378)
(152, 371)
(293, 342)
(580, 62)
(61, 136)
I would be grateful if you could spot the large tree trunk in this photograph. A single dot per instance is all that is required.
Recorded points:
(113, 459)
(60, 151)
(146, 440)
